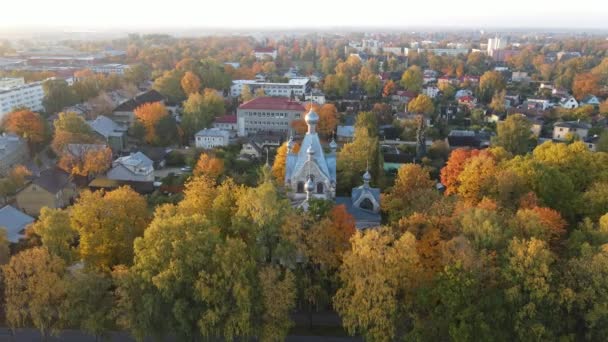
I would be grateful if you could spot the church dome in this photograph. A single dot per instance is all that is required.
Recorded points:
(333, 145)
(367, 176)
(311, 117)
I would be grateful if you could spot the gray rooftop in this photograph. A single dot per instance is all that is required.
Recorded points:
(105, 127)
(14, 221)
(573, 124)
(9, 143)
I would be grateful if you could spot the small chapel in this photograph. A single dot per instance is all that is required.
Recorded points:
(311, 173)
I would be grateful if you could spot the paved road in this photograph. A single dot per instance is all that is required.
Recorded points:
(31, 335)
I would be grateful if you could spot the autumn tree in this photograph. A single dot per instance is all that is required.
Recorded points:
(328, 119)
(423, 106)
(382, 265)
(5, 252)
(89, 302)
(412, 79)
(209, 166)
(278, 299)
(150, 114)
(259, 92)
(56, 233)
(585, 84)
(170, 85)
(498, 101)
(329, 238)
(26, 124)
(190, 83)
(107, 224)
(389, 88)
(246, 94)
(454, 166)
(34, 290)
(85, 160)
(200, 110)
(478, 178)
(490, 83)
(413, 191)
(57, 95)
(70, 128)
(514, 134)
(278, 166)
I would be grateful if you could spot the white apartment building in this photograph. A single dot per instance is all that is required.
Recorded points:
(299, 86)
(262, 53)
(209, 138)
(496, 43)
(11, 82)
(28, 95)
(114, 68)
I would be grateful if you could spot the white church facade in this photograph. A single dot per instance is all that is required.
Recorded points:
(311, 173)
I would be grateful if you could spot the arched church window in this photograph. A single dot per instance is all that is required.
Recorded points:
(300, 187)
(366, 204)
(320, 188)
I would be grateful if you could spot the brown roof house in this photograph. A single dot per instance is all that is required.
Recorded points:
(53, 188)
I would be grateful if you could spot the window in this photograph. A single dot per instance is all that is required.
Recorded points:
(300, 188)
(320, 188)
(366, 204)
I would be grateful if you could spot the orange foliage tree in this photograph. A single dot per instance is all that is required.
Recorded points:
(585, 84)
(149, 114)
(328, 119)
(389, 88)
(329, 239)
(209, 166)
(278, 167)
(190, 83)
(454, 166)
(26, 124)
(88, 162)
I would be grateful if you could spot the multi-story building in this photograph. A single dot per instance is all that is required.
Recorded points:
(209, 138)
(295, 87)
(13, 151)
(268, 114)
(495, 44)
(114, 68)
(11, 82)
(28, 95)
(261, 53)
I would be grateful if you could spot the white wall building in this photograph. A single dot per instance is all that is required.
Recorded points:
(114, 68)
(262, 53)
(431, 91)
(28, 95)
(299, 87)
(316, 96)
(496, 43)
(209, 138)
(11, 82)
(268, 114)
(564, 130)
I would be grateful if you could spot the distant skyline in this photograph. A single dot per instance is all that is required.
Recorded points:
(274, 14)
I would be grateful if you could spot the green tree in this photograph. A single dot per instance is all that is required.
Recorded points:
(200, 110)
(514, 134)
(89, 302)
(490, 83)
(57, 95)
(169, 84)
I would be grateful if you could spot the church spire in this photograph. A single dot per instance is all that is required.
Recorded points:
(312, 119)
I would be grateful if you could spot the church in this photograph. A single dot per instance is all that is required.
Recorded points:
(311, 173)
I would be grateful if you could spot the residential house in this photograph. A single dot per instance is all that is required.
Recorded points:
(114, 134)
(15, 222)
(13, 151)
(136, 167)
(53, 188)
(591, 142)
(462, 93)
(265, 52)
(158, 155)
(538, 104)
(468, 101)
(255, 147)
(431, 91)
(563, 130)
(226, 122)
(209, 138)
(472, 80)
(591, 100)
(429, 76)
(124, 114)
(315, 95)
(404, 96)
(568, 102)
(464, 138)
(520, 76)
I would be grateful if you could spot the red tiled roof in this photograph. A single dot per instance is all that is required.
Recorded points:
(264, 50)
(406, 93)
(226, 119)
(466, 99)
(273, 103)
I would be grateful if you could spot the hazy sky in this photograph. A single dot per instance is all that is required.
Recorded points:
(116, 14)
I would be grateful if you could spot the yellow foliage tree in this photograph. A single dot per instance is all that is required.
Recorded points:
(209, 166)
